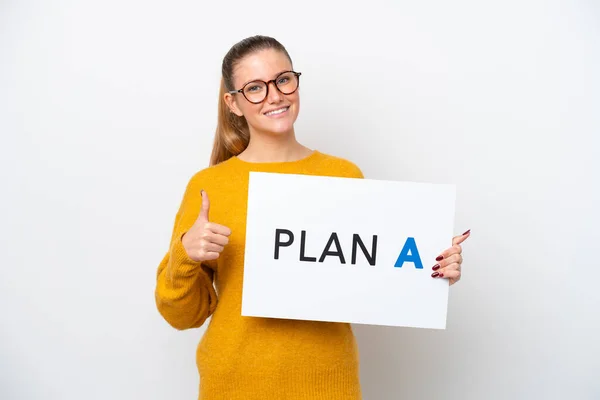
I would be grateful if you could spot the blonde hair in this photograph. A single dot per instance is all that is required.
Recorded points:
(233, 134)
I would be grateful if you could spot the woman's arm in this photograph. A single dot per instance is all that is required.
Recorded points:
(185, 295)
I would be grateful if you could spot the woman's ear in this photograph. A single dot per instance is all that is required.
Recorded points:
(232, 104)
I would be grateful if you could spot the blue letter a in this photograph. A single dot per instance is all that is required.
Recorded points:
(409, 247)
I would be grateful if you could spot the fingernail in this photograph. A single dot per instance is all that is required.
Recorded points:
(435, 274)
(439, 258)
(441, 275)
(436, 267)
(466, 232)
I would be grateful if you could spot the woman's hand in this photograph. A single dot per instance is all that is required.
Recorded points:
(205, 240)
(450, 261)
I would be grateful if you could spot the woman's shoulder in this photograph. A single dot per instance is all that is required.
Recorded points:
(340, 166)
(212, 173)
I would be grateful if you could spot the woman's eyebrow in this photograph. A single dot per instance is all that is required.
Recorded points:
(275, 76)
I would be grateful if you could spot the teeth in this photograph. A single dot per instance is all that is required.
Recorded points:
(277, 111)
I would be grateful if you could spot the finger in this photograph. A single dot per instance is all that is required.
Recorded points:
(461, 238)
(215, 238)
(212, 247)
(205, 206)
(451, 267)
(217, 229)
(207, 256)
(453, 259)
(456, 249)
(447, 273)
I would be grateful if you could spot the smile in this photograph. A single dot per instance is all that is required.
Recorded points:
(277, 112)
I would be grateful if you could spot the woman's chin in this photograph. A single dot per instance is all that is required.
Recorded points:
(279, 129)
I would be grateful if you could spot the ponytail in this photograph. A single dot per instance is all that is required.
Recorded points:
(232, 135)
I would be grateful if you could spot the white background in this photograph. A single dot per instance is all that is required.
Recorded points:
(108, 107)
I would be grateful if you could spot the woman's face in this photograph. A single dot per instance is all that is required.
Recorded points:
(278, 112)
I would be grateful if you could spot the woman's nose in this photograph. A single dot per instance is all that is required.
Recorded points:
(274, 94)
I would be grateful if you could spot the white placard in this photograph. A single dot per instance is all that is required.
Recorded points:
(304, 259)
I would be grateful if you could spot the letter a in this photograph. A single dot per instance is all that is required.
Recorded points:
(409, 246)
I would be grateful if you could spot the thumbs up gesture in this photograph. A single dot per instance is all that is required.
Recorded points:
(205, 240)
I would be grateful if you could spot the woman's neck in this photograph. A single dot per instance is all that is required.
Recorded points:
(274, 148)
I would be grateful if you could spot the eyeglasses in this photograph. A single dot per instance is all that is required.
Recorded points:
(257, 91)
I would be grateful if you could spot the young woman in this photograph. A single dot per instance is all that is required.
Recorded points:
(242, 358)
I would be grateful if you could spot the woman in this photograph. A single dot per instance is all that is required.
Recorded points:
(255, 358)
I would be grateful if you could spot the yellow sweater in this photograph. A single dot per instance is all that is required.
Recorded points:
(247, 358)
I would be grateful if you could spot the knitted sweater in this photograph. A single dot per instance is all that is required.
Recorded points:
(248, 358)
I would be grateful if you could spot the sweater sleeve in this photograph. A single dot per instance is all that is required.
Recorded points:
(184, 294)
(354, 171)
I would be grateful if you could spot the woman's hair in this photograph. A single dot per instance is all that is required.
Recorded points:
(233, 135)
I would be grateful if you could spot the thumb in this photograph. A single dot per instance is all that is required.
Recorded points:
(205, 206)
(461, 238)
